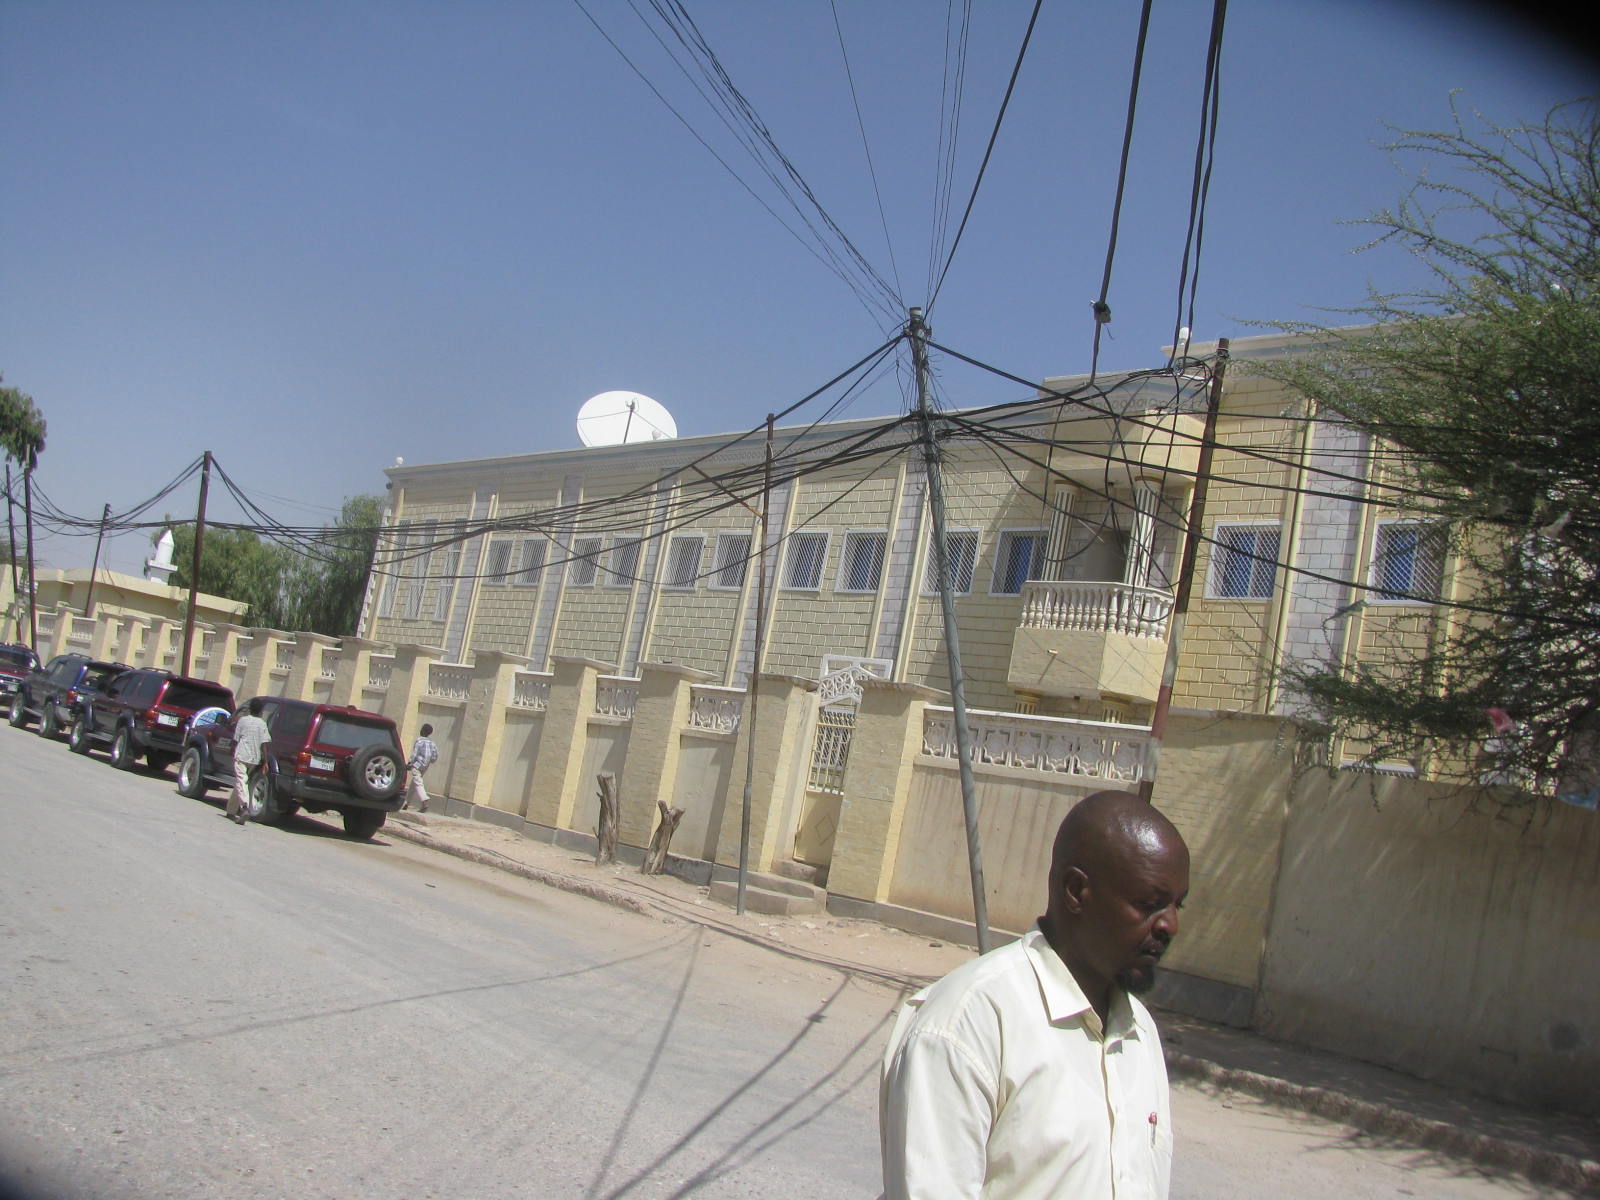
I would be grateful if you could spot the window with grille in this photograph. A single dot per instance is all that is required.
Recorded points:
(531, 565)
(683, 560)
(417, 568)
(962, 548)
(1244, 561)
(861, 564)
(499, 569)
(395, 565)
(624, 563)
(732, 556)
(446, 564)
(1019, 552)
(803, 560)
(585, 565)
(1407, 562)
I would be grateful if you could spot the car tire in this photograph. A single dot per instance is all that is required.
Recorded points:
(78, 738)
(49, 727)
(123, 755)
(362, 823)
(265, 808)
(192, 780)
(376, 773)
(159, 760)
(18, 715)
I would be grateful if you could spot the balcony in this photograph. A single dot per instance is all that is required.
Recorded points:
(1088, 639)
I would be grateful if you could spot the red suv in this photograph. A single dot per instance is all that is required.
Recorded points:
(320, 757)
(146, 712)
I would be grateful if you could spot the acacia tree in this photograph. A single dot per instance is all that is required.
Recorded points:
(1486, 380)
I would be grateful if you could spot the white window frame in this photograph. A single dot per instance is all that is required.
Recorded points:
(964, 563)
(1220, 561)
(730, 565)
(1001, 555)
(667, 577)
(497, 568)
(530, 574)
(852, 537)
(583, 563)
(417, 576)
(449, 568)
(823, 538)
(1376, 595)
(392, 571)
(623, 565)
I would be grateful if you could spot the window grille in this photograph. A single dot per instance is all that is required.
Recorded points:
(1408, 562)
(963, 552)
(683, 560)
(585, 566)
(394, 567)
(732, 557)
(531, 567)
(862, 567)
(624, 562)
(499, 567)
(449, 566)
(1244, 561)
(804, 560)
(1019, 552)
(417, 569)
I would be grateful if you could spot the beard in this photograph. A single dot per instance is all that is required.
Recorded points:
(1137, 980)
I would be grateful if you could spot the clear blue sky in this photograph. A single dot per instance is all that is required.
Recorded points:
(314, 236)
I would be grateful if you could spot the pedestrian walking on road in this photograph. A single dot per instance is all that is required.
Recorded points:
(423, 755)
(249, 732)
(1033, 1071)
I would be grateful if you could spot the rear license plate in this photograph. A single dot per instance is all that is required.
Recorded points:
(321, 762)
(166, 719)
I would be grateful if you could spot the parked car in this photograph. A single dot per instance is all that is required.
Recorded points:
(55, 692)
(320, 757)
(145, 712)
(15, 663)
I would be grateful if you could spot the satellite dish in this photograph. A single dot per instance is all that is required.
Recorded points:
(613, 418)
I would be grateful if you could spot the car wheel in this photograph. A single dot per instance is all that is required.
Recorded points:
(192, 775)
(49, 727)
(265, 807)
(362, 823)
(78, 738)
(122, 755)
(18, 715)
(376, 773)
(159, 760)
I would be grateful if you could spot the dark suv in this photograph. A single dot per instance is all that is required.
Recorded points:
(145, 711)
(320, 757)
(15, 663)
(56, 692)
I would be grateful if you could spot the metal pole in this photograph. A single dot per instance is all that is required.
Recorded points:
(13, 617)
(1180, 599)
(194, 570)
(755, 676)
(88, 600)
(952, 641)
(27, 514)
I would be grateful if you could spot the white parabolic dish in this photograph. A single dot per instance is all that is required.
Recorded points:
(612, 418)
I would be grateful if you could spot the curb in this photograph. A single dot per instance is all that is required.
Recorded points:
(1578, 1175)
(565, 883)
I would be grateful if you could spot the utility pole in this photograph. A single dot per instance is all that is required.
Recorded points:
(88, 600)
(194, 570)
(1180, 599)
(952, 642)
(755, 674)
(33, 589)
(13, 616)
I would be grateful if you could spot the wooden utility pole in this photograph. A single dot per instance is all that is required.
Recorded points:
(194, 570)
(952, 641)
(1180, 599)
(755, 677)
(88, 600)
(33, 589)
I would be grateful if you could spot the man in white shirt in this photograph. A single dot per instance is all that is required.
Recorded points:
(249, 734)
(1033, 1071)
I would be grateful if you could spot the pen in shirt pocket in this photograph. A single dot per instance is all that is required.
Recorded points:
(1153, 1123)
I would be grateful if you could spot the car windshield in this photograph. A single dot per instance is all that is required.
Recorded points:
(350, 734)
(194, 695)
(10, 656)
(95, 677)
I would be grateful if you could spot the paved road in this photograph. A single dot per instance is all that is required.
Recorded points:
(192, 1009)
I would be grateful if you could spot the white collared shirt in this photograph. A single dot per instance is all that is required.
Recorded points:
(999, 1082)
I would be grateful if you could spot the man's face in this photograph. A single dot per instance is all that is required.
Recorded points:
(1129, 911)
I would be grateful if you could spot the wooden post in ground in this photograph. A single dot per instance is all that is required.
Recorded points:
(606, 831)
(656, 859)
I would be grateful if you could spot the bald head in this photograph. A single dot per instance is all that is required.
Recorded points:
(1118, 874)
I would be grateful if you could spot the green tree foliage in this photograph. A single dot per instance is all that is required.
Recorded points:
(316, 586)
(1487, 381)
(22, 428)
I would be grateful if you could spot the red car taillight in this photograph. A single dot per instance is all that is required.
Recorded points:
(303, 760)
(72, 695)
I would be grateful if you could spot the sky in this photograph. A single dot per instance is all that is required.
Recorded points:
(315, 236)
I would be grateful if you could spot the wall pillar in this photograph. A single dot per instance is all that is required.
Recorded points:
(128, 638)
(263, 658)
(877, 781)
(564, 740)
(103, 646)
(659, 717)
(63, 629)
(483, 725)
(156, 643)
(307, 665)
(408, 684)
(1142, 539)
(781, 748)
(355, 668)
(224, 653)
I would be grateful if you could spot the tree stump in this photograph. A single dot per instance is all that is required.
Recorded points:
(656, 860)
(606, 831)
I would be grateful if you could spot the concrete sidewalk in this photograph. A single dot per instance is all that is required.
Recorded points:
(1553, 1149)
